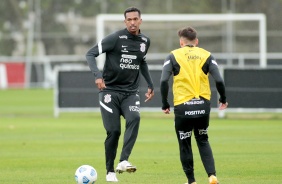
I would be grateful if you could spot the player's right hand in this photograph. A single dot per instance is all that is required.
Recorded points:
(100, 84)
(223, 106)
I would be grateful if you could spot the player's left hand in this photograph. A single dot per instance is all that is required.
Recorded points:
(166, 107)
(149, 95)
(166, 111)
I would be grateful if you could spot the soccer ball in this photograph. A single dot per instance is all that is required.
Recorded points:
(85, 174)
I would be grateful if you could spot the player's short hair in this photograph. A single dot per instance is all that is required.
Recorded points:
(131, 9)
(188, 32)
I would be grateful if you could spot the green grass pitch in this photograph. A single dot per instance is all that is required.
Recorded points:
(37, 148)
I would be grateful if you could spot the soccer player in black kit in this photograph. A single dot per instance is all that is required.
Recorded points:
(190, 66)
(118, 83)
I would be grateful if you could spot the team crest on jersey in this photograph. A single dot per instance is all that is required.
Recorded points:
(107, 98)
(142, 47)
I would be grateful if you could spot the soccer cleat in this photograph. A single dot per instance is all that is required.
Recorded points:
(111, 177)
(191, 183)
(125, 166)
(213, 180)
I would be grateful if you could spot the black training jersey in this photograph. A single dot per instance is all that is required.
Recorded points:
(125, 58)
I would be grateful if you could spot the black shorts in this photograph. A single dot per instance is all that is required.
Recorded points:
(115, 104)
(193, 108)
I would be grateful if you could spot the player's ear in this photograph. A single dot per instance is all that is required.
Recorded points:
(197, 41)
(181, 43)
